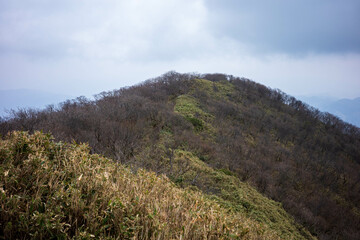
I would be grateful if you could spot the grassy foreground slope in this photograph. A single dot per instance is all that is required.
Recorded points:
(54, 190)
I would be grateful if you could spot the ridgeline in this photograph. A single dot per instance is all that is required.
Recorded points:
(227, 142)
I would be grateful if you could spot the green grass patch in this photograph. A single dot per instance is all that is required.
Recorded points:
(215, 90)
(188, 107)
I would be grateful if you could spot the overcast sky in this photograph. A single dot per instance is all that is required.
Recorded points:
(83, 47)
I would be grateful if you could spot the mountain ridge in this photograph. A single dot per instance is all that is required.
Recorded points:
(287, 150)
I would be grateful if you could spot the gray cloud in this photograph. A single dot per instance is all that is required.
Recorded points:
(120, 30)
(289, 26)
(85, 47)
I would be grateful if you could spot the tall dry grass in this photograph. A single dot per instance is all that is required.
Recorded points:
(52, 190)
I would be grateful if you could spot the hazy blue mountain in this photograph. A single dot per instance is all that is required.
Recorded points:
(346, 109)
(26, 98)
(317, 101)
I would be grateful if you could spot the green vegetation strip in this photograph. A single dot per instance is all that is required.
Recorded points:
(238, 196)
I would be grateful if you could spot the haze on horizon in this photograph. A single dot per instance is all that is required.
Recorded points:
(74, 47)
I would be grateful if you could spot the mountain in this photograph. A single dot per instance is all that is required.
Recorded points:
(26, 98)
(346, 109)
(225, 137)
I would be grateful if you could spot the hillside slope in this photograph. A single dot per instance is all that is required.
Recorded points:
(56, 190)
(213, 132)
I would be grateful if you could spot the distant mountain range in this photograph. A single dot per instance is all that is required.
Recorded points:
(27, 98)
(346, 109)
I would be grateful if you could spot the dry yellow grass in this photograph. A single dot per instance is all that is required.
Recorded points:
(57, 190)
